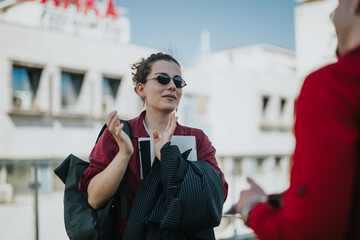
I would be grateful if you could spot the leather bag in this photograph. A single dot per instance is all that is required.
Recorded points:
(82, 222)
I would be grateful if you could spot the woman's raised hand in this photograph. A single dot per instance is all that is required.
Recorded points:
(122, 139)
(166, 137)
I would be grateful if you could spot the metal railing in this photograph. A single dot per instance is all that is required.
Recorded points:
(233, 178)
(33, 185)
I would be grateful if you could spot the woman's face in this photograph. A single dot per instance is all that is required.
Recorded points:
(158, 97)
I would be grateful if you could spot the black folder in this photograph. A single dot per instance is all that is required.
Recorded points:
(145, 158)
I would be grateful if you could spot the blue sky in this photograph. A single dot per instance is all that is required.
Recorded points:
(176, 26)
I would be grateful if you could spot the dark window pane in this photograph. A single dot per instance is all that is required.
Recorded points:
(282, 105)
(25, 83)
(71, 84)
(265, 101)
(111, 87)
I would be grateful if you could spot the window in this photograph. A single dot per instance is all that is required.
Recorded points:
(71, 84)
(19, 176)
(110, 87)
(260, 162)
(277, 162)
(283, 102)
(237, 169)
(265, 103)
(25, 83)
(267, 118)
(45, 178)
(195, 107)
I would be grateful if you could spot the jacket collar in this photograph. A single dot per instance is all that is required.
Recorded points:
(350, 53)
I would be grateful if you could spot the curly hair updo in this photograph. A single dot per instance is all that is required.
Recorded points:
(142, 68)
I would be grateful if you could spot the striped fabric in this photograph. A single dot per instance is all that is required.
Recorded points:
(179, 199)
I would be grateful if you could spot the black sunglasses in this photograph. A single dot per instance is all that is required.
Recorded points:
(164, 79)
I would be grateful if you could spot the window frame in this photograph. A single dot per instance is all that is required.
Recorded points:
(33, 109)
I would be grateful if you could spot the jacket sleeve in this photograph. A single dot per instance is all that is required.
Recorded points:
(193, 192)
(317, 203)
(101, 155)
(206, 152)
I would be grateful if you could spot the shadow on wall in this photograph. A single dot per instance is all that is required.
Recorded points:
(48, 122)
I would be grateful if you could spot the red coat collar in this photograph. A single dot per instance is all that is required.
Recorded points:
(352, 52)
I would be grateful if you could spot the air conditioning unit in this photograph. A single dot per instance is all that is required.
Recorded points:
(6, 193)
(22, 100)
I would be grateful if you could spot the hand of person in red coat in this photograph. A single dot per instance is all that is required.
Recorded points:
(246, 196)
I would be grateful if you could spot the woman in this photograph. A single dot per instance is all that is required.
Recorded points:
(158, 82)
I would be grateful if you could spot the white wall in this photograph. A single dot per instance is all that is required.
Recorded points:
(235, 81)
(315, 37)
(22, 135)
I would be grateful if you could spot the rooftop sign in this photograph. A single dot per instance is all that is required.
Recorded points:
(85, 6)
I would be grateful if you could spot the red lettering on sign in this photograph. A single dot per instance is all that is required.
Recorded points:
(90, 5)
(67, 3)
(57, 2)
(86, 5)
(111, 9)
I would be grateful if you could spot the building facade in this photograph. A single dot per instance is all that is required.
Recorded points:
(61, 72)
(315, 37)
(251, 94)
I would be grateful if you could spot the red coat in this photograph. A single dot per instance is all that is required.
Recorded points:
(319, 201)
(106, 149)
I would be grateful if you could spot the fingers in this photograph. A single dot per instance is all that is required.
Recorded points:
(109, 118)
(255, 186)
(156, 136)
(114, 120)
(157, 144)
(251, 182)
(170, 129)
(172, 123)
(171, 119)
(114, 123)
(119, 128)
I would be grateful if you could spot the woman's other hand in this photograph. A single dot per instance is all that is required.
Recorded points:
(122, 139)
(166, 136)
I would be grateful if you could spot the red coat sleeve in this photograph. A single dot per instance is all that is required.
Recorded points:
(101, 155)
(317, 203)
(206, 152)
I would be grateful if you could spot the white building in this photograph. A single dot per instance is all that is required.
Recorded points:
(315, 36)
(254, 88)
(61, 72)
(251, 93)
(55, 79)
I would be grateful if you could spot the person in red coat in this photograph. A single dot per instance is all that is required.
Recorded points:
(323, 199)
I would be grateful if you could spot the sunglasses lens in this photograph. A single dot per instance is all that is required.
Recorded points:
(179, 82)
(163, 79)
